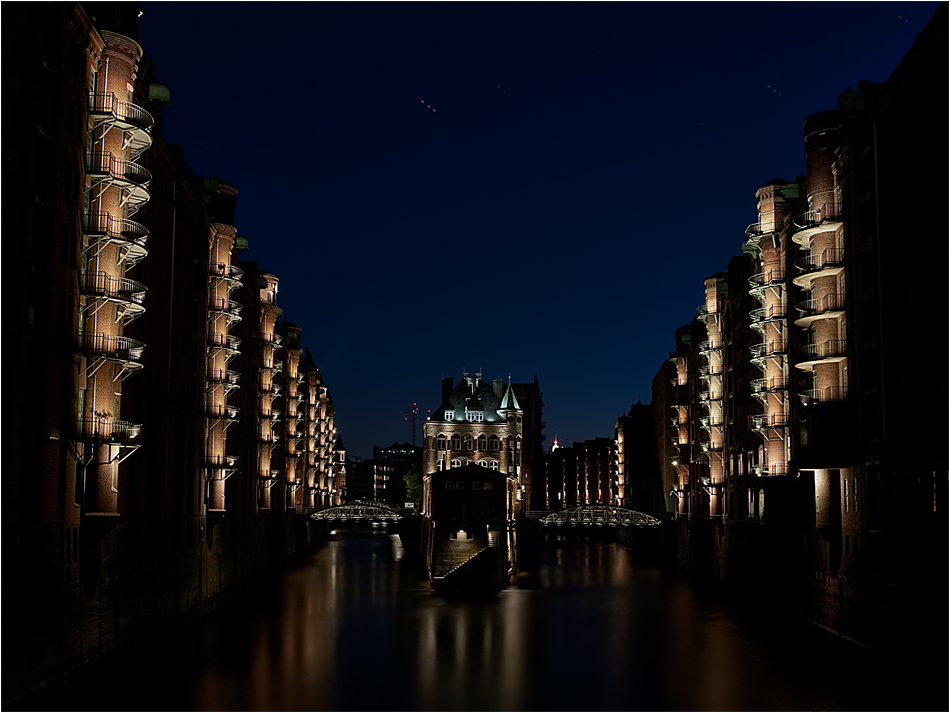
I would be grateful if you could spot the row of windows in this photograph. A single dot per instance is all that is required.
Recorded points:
(459, 462)
(467, 442)
(469, 415)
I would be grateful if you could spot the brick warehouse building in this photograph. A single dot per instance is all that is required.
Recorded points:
(149, 467)
(790, 412)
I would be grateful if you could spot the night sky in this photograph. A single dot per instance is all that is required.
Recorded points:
(522, 188)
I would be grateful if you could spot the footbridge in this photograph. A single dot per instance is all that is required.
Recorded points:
(361, 511)
(595, 515)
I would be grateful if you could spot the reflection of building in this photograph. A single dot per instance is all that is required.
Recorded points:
(791, 438)
(477, 423)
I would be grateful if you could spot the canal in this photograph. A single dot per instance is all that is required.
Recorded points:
(589, 627)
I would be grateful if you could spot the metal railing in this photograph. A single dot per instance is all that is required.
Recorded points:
(222, 411)
(102, 283)
(220, 304)
(777, 383)
(767, 277)
(815, 217)
(829, 393)
(225, 341)
(826, 350)
(107, 105)
(223, 376)
(96, 224)
(766, 420)
(767, 314)
(214, 460)
(710, 345)
(107, 345)
(767, 349)
(105, 163)
(828, 303)
(228, 272)
(770, 470)
(830, 257)
(109, 429)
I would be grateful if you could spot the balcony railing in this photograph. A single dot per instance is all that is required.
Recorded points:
(828, 303)
(126, 113)
(214, 460)
(225, 271)
(126, 173)
(707, 396)
(105, 285)
(224, 341)
(770, 470)
(814, 218)
(223, 376)
(704, 312)
(829, 393)
(270, 414)
(126, 233)
(756, 231)
(710, 421)
(768, 314)
(831, 349)
(768, 349)
(220, 304)
(104, 428)
(767, 278)
(766, 420)
(222, 411)
(777, 383)
(112, 347)
(710, 370)
(710, 345)
(267, 437)
(830, 257)
(270, 388)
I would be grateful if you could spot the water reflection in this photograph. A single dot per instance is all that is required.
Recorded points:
(589, 628)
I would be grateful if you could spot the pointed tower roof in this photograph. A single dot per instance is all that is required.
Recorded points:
(510, 401)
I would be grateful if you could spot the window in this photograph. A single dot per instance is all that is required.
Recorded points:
(487, 485)
(456, 443)
(466, 461)
(440, 464)
(482, 443)
(460, 485)
(483, 463)
(456, 463)
(493, 464)
(494, 444)
(440, 442)
(475, 416)
(449, 415)
(468, 441)
(477, 485)
(450, 485)
(845, 494)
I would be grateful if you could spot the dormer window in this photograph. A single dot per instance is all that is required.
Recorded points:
(450, 415)
(475, 415)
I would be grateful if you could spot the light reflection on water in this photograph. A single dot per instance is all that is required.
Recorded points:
(589, 628)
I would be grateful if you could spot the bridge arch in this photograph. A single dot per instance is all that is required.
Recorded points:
(364, 510)
(598, 515)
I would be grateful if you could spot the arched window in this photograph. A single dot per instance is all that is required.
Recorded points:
(440, 442)
(482, 443)
(468, 442)
(456, 442)
(493, 464)
(440, 464)
(483, 463)
(494, 444)
(466, 461)
(456, 463)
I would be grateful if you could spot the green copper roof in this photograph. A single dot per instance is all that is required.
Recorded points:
(510, 400)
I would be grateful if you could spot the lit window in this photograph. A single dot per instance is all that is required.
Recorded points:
(493, 465)
(449, 415)
(440, 464)
(483, 463)
(456, 463)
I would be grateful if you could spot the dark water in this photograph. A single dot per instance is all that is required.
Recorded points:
(588, 628)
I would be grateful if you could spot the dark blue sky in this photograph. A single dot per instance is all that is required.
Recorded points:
(521, 188)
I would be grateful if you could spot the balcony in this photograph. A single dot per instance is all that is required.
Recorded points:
(710, 422)
(224, 411)
(833, 350)
(129, 294)
(705, 314)
(272, 339)
(757, 232)
(269, 437)
(763, 422)
(707, 370)
(225, 342)
(827, 307)
(269, 414)
(228, 308)
(126, 116)
(270, 388)
(104, 168)
(768, 350)
(709, 396)
(768, 279)
(109, 430)
(827, 263)
(761, 388)
(710, 345)
(763, 316)
(224, 376)
(220, 467)
(128, 235)
(770, 471)
(120, 349)
(821, 220)
(820, 396)
(231, 274)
